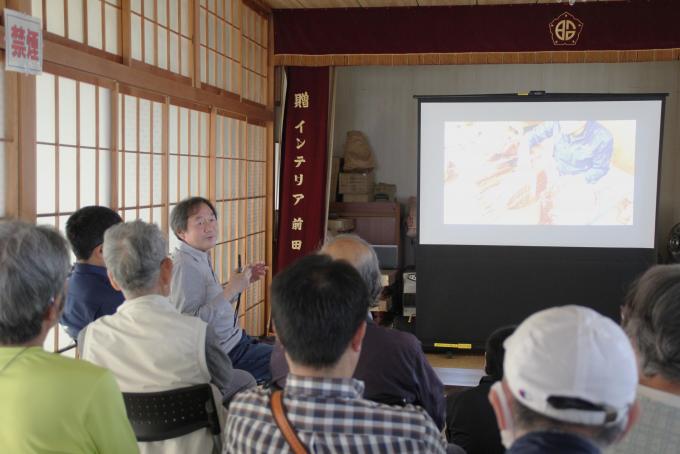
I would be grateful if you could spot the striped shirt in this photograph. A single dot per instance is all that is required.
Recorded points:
(330, 416)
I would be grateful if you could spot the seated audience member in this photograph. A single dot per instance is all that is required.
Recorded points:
(470, 421)
(568, 386)
(651, 318)
(196, 291)
(319, 309)
(392, 364)
(89, 293)
(148, 344)
(48, 403)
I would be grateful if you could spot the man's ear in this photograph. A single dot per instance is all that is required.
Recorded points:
(52, 313)
(166, 271)
(114, 284)
(358, 337)
(55, 309)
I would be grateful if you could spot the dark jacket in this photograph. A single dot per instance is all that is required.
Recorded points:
(552, 443)
(89, 296)
(471, 422)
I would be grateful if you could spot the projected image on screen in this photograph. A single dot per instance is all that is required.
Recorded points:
(571, 173)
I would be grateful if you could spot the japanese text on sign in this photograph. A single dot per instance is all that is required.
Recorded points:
(23, 43)
(300, 101)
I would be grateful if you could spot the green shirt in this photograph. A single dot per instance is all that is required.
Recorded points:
(53, 404)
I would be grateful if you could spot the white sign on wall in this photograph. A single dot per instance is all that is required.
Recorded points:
(23, 43)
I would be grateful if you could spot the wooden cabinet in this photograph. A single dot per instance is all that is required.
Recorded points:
(378, 223)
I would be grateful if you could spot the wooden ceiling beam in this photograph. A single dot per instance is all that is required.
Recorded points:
(68, 57)
(309, 4)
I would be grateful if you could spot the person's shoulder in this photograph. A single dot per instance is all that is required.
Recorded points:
(250, 403)
(102, 322)
(601, 131)
(179, 256)
(393, 335)
(77, 371)
(256, 394)
(410, 415)
(185, 263)
(473, 399)
(91, 287)
(401, 342)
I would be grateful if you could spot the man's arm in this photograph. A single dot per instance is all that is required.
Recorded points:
(429, 389)
(106, 419)
(602, 154)
(539, 133)
(222, 373)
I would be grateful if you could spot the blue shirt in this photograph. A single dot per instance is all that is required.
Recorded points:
(588, 152)
(89, 296)
(552, 443)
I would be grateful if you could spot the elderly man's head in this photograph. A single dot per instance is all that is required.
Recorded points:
(651, 318)
(34, 263)
(361, 256)
(567, 369)
(136, 259)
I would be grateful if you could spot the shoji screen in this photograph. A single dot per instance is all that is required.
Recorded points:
(188, 149)
(73, 147)
(240, 202)
(73, 154)
(161, 34)
(95, 23)
(140, 159)
(254, 56)
(220, 44)
(256, 222)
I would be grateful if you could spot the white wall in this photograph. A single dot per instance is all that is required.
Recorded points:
(379, 101)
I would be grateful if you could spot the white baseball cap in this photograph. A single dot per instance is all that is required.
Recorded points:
(572, 364)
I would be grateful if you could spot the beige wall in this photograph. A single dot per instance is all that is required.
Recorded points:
(379, 101)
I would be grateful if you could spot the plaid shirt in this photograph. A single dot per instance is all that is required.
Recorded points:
(330, 416)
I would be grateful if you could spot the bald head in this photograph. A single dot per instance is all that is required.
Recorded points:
(361, 256)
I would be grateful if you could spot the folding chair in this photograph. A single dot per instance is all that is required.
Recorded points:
(170, 414)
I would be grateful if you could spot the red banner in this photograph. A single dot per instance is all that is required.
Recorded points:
(304, 164)
(614, 25)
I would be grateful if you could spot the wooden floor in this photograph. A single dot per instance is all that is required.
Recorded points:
(457, 370)
(456, 360)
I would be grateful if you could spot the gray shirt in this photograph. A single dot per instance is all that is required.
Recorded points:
(195, 291)
(658, 428)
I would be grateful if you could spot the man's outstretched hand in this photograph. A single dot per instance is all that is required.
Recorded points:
(240, 280)
(257, 271)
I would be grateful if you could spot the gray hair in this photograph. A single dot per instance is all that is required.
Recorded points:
(34, 264)
(133, 252)
(651, 318)
(367, 264)
(529, 420)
